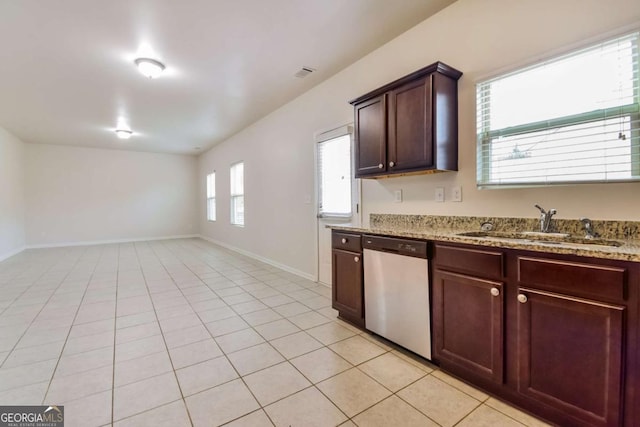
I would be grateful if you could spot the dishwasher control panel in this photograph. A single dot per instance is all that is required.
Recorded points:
(414, 248)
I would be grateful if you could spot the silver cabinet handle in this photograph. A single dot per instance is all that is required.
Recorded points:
(522, 298)
(391, 164)
(380, 165)
(344, 240)
(495, 292)
(356, 258)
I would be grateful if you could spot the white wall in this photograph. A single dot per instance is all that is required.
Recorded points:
(477, 37)
(81, 195)
(12, 208)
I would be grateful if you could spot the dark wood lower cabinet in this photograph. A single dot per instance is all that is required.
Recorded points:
(570, 355)
(347, 286)
(468, 323)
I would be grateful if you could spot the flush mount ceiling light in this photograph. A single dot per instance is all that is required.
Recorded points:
(149, 67)
(124, 133)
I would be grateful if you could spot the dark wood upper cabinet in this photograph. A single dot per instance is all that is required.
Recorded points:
(410, 125)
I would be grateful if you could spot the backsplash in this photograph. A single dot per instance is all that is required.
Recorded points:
(621, 230)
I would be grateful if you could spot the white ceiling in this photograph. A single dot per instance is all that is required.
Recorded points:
(67, 72)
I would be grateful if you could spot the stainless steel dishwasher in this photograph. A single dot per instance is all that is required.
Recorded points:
(396, 291)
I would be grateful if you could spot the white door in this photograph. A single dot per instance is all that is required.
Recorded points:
(338, 191)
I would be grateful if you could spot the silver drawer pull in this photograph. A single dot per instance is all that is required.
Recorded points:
(391, 164)
(495, 292)
(380, 165)
(344, 240)
(356, 258)
(522, 298)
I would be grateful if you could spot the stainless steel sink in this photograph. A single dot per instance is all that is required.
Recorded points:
(547, 238)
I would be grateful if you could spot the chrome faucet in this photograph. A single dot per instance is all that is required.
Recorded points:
(588, 229)
(545, 218)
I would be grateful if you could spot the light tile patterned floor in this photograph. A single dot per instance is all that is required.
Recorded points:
(183, 332)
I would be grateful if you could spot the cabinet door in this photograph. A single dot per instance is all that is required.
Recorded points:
(347, 290)
(371, 136)
(468, 323)
(410, 127)
(570, 355)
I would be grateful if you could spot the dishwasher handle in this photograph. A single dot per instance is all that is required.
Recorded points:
(407, 247)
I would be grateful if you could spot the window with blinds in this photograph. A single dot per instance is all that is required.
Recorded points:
(211, 196)
(237, 193)
(571, 119)
(334, 174)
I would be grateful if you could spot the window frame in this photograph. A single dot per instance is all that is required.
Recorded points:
(344, 131)
(485, 145)
(235, 196)
(210, 198)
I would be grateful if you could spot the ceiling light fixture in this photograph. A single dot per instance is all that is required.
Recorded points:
(124, 133)
(149, 67)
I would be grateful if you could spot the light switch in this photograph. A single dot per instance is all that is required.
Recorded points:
(397, 196)
(440, 194)
(456, 194)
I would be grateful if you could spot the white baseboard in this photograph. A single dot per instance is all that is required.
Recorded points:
(261, 259)
(12, 253)
(107, 242)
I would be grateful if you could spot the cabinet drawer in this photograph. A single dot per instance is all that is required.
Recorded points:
(588, 280)
(346, 241)
(480, 262)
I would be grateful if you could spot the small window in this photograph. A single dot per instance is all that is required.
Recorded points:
(571, 119)
(211, 196)
(237, 193)
(334, 170)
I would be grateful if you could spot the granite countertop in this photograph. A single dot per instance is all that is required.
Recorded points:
(448, 231)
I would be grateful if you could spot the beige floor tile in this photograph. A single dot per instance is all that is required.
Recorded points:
(134, 370)
(221, 404)
(171, 415)
(180, 322)
(393, 411)
(516, 414)
(317, 302)
(379, 341)
(291, 309)
(135, 398)
(255, 358)
(196, 352)
(391, 371)
(415, 360)
(460, 385)
(276, 329)
(89, 411)
(238, 298)
(91, 328)
(352, 391)
(439, 401)
(348, 424)
(186, 336)
(137, 332)
(76, 386)
(295, 344)
(357, 350)
(88, 343)
(320, 364)
(277, 300)
(216, 314)
(275, 383)
(40, 353)
(87, 361)
(239, 340)
(260, 317)
(139, 348)
(135, 319)
(226, 326)
(330, 333)
(248, 307)
(307, 408)
(328, 312)
(308, 320)
(254, 419)
(485, 416)
(209, 374)
(28, 395)
(206, 302)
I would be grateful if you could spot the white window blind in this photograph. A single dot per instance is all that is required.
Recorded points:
(334, 174)
(211, 196)
(237, 193)
(571, 119)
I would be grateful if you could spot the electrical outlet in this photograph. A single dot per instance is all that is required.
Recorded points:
(440, 194)
(397, 196)
(456, 194)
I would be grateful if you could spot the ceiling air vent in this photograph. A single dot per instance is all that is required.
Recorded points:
(304, 72)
